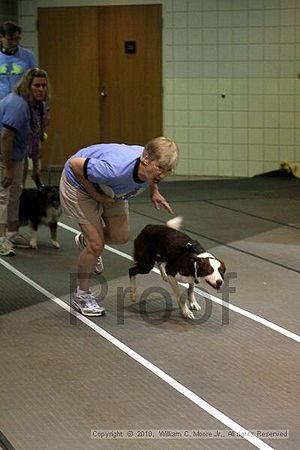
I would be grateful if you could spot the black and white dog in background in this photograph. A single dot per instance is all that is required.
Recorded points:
(40, 206)
(179, 258)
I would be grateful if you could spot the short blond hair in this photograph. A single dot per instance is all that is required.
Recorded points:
(163, 151)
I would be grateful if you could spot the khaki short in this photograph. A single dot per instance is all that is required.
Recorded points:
(82, 208)
(10, 197)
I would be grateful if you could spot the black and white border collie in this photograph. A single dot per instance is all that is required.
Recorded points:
(179, 258)
(40, 206)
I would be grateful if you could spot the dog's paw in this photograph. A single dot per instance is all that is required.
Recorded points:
(55, 244)
(187, 313)
(33, 243)
(195, 305)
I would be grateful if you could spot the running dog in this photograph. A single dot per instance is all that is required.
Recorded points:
(179, 258)
(40, 206)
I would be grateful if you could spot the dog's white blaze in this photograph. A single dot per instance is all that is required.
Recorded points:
(205, 255)
(215, 276)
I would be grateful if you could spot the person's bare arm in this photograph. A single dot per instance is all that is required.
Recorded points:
(158, 199)
(77, 165)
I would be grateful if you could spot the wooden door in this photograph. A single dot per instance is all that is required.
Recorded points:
(88, 51)
(130, 73)
(68, 50)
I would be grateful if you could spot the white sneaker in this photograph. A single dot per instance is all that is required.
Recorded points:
(99, 266)
(18, 240)
(80, 242)
(87, 304)
(6, 248)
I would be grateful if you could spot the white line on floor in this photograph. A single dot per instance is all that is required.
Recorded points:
(205, 294)
(147, 364)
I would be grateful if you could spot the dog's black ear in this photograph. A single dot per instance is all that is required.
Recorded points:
(203, 266)
(222, 268)
(200, 261)
(53, 189)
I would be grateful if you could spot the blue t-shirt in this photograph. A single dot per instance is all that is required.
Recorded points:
(12, 68)
(15, 115)
(113, 166)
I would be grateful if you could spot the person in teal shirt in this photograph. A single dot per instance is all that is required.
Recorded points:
(14, 62)
(16, 119)
(14, 59)
(95, 187)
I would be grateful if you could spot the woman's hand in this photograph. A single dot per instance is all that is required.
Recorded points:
(158, 199)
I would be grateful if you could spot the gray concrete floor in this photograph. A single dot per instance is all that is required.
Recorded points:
(142, 366)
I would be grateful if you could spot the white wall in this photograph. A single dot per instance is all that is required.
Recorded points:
(246, 49)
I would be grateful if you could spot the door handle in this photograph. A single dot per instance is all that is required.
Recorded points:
(103, 91)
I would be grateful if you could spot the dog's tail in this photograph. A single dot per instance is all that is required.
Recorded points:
(175, 223)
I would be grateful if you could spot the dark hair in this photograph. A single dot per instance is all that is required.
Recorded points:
(8, 28)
